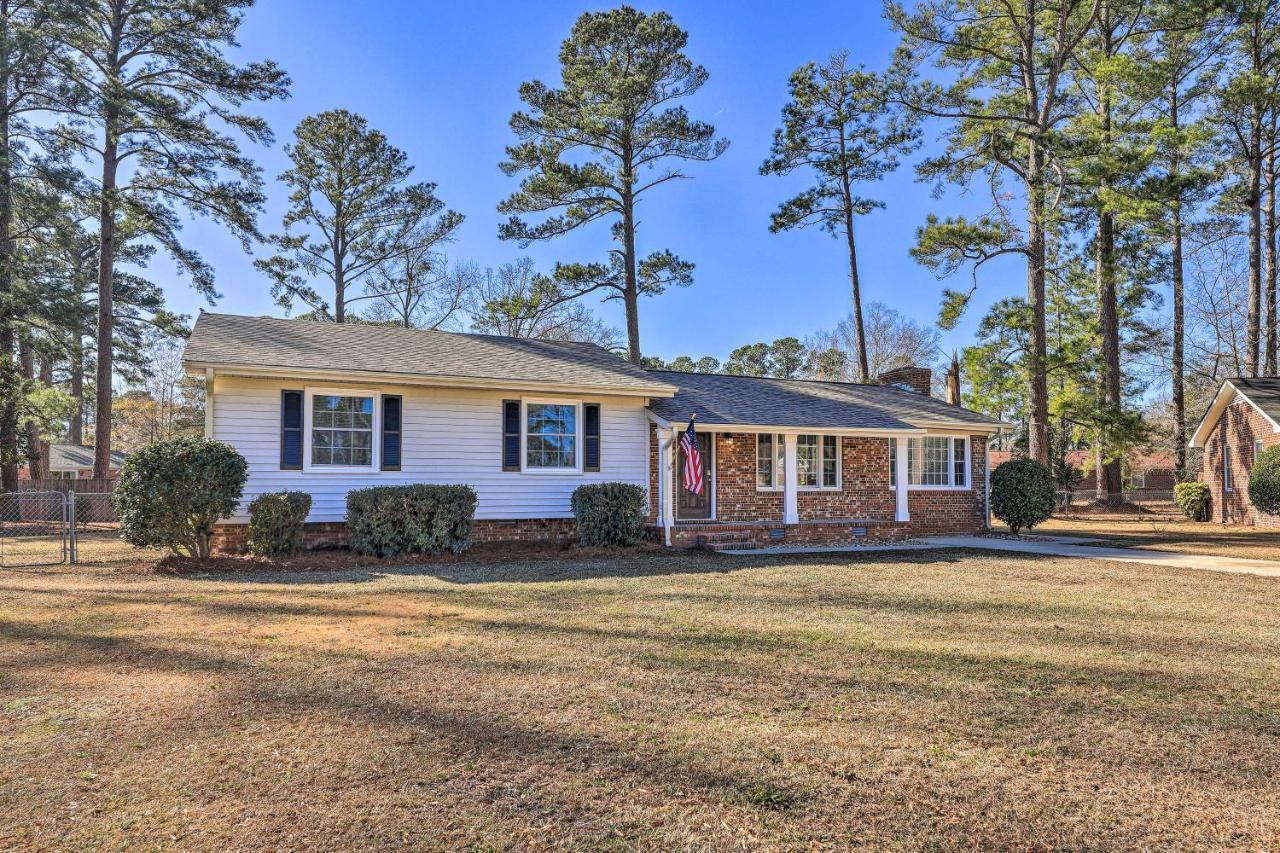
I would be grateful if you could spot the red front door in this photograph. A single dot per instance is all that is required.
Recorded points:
(690, 505)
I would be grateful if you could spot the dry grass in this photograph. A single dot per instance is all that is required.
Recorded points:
(1168, 533)
(927, 700)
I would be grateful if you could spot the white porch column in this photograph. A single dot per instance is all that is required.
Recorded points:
(666, 480)
(790, 480)
(900, 475)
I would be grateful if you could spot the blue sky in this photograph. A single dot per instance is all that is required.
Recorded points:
(440, 80)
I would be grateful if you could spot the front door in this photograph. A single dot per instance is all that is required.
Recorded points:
(690, 505)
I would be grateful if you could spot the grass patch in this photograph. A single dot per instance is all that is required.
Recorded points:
(922, 700)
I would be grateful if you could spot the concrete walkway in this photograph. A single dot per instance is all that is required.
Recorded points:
(1050, 546)
(1067, 546)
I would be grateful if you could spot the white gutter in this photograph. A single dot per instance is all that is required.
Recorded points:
(196, 368)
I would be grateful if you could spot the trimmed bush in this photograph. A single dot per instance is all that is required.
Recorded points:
(1022, 493)
(275, 523)
(610, 513)
(171, 493)
(1264, 481)
(389, 520)
(1193, 499)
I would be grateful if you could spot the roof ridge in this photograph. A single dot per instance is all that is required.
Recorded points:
(384, 327)
(773, 378)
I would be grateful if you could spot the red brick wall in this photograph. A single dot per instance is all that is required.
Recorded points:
(1240, 425)
(864, 488)
(864, 494)
(735, 480)
(233, 538)
(653, 476)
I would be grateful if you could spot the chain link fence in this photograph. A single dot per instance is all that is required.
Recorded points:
(34, 529)
(46, 528)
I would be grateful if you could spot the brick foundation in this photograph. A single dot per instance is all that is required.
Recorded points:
(233, 538)
(763, 534)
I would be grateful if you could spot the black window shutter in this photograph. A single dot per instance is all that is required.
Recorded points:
(392, 411)
(290, 430)
(591, 437)
(510, 435)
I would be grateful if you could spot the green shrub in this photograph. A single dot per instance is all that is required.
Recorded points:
(610, 513)
(1022, 493)
(171, 493)
(1264, 481)
(1192, 498)
(389, 520)
(275, 522)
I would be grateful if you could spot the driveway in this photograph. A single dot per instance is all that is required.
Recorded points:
(1050, 546)
(1072, 546)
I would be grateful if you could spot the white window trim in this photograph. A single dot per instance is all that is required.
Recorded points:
(968, 466)
(778, 442)
(755, 461)
(1228, 476)
(839, 465)
(525, 468)
(375, 461)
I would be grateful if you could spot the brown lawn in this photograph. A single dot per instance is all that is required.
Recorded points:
(929, 700)
(1165, 532)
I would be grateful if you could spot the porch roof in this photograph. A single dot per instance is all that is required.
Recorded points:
(738, 401)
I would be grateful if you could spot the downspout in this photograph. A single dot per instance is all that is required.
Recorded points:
(986, 490)
(208, 402)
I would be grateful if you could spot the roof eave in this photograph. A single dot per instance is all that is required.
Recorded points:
(1213, 414)
(195, 367)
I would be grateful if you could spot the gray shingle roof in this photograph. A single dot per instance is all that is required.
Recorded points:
(722, 399)
(228, 339)
(1262, 391)
(64, 457)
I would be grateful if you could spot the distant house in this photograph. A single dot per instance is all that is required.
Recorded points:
(1242, 421)
(1147, 473)
(74, 462)
(327, 408)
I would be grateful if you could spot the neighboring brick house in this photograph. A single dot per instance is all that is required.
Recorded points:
(327, 408)
(1147, 473)
(1242, 421)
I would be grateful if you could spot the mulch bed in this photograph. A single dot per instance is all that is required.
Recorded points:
(337, 560)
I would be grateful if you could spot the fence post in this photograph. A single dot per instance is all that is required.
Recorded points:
(71, 525)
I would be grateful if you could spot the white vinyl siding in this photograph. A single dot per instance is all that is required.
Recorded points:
(450, 436)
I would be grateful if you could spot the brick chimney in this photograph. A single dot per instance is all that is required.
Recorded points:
(918, 379)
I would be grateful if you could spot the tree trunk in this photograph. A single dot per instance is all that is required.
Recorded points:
(1269, 245)
(1110, 472)
(106, 306)
(35, 466)
(631, 295)
(107, 205)
(1178, 356)
(1253, 328)
(75, 431)
(8, 365)
(864, 369)
(1037, 383)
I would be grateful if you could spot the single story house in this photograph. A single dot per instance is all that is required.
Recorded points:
(326, 408)
(1242, 421)
(74, 462)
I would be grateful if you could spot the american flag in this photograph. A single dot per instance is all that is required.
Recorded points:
(692, 460)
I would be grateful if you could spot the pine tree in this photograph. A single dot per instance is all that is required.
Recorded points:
(591, 149)
(843, 126)
(1004, 99)
(157, 90)
(351, 213)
